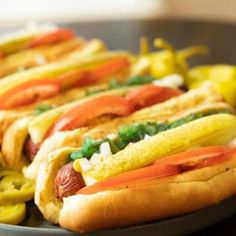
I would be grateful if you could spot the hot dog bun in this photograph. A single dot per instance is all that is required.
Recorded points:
(62, 139)
(151, 200)
(215, 129)
(75, 138)
(45, 197)
(13, 143)
(204, 98)
(52, 70)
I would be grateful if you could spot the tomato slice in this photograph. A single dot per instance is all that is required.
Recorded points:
(82, 78)
(80, 115)
(149, 95)
(150, 172)
(69, 78)
(171, 165)
(55, 36)
(29, 92)
(107, 69)
(210, 161)
(194, 155)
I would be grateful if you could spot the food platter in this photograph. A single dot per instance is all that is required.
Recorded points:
(34, 224)
(189, 223)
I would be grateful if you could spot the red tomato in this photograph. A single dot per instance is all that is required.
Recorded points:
(29, 92)
(194, 155)
(150, 172)
(55, 36)
(108, 68)
(212, 161)
(171, 165)
(80, 115)
(149, 95)
(69, 78)
(82, 78)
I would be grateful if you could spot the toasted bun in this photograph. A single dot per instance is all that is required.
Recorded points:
(60, 140)
(216, 129)
(45, 197)
(150, 200)
(13, 143)
(7, 118)
(28, 58)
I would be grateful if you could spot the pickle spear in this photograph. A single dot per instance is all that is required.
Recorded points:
(212, 130)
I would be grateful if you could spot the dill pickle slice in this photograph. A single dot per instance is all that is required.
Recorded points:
(14, 188)
(12, 214)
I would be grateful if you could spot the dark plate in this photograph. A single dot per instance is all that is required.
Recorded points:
(34, 225)
(220, 38)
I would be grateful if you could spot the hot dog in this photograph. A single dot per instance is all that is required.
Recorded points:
(84, 113)
(163, 195)
(209, 127)
(174, 107)
(21, 93)
(36, 46)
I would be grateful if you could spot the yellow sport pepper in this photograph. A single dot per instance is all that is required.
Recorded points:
(12, 214)
(14, 188)
(223, 78)
(168, 61)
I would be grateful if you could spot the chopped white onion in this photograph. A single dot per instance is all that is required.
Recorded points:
(88, 180)
(85, 164)
(171, 81)
(146, 136)
(96, 158)
(112, 136)
(105, 149)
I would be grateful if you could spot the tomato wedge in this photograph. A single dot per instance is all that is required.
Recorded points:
(150, 172)
(171, 165)
(80, 115)
(210, 161)
(82, 78)
(194, 155)
(29, 92)
(107, 69)
(55, 36)
(149, 95)
(69, 78)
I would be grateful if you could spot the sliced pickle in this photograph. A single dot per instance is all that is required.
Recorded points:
(15, 188)
(212, 130)
(12, 214)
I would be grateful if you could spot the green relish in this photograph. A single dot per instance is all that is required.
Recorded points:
(132, 133)
(114, 84)
(41, 108)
